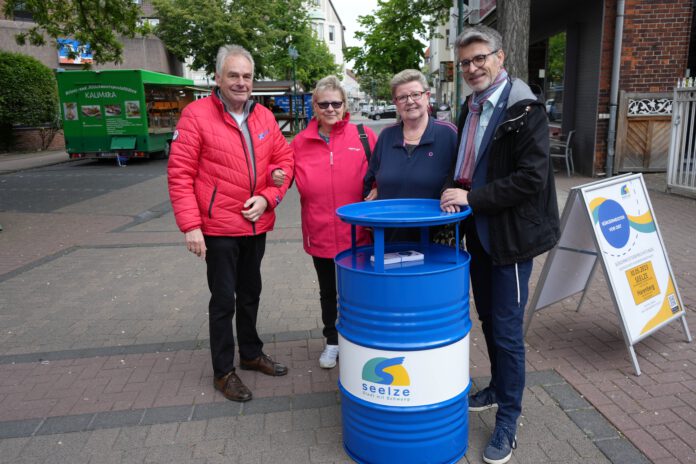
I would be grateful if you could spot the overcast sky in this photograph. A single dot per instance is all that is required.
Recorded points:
(348, 11)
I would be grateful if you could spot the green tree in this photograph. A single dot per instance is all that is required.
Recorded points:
(390, 39)
(98, 23)
(197, 28)
(376, 85)
(557, 45)
(28, 94)
(314, 61)
(288, 24)
(391, 35)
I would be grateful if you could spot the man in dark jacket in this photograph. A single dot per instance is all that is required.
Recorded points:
(504, 174)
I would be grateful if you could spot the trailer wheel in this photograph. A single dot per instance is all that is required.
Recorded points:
(164, 154)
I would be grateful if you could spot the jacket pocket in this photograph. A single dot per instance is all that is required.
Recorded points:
(529, 213)
(212, 200)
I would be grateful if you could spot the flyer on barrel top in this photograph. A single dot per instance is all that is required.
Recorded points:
(634, 255)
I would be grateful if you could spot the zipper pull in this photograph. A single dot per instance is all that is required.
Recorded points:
(331, 158)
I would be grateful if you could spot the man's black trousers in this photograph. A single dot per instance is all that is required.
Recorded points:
(234, 280)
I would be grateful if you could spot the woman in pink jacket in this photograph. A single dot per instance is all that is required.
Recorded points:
(330, 163)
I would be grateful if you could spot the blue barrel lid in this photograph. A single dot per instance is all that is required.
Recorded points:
(402, 212)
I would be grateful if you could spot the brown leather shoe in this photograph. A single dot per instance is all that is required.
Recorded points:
(264, 364)
(232, 388)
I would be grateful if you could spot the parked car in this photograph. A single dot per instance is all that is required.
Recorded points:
(389, 111)
(552, 110)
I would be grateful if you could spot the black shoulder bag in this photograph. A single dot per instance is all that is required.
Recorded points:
(365, 142)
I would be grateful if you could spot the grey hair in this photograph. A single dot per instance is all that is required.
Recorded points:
(406, 76)
(329, 83)
(232, 50)
(480, 33)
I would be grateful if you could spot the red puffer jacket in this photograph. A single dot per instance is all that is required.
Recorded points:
(211, 173)
(329, 176)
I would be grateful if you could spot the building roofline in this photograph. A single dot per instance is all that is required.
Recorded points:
(343, 28)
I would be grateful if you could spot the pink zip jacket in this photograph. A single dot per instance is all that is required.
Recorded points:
(329, 176)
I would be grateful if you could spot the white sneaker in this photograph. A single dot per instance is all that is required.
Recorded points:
(327, 360)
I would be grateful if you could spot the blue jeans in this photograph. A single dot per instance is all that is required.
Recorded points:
(500, 294)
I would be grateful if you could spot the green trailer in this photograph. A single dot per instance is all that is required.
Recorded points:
(121, 113)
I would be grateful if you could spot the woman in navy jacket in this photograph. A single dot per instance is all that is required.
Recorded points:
(412, 158)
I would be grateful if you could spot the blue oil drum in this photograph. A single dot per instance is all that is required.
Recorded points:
(403, 338)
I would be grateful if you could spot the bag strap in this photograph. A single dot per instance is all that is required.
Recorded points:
(365, 142)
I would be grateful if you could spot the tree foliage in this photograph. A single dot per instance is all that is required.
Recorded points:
(557, 45)
(28, 96)
(197, 28)
(376, 85)
(391, 36)
(28, 91)
(390, 39)
(98, 23)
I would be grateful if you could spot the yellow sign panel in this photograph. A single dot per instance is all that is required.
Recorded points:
(643, 283)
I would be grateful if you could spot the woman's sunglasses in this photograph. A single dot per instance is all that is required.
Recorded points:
(325, 105)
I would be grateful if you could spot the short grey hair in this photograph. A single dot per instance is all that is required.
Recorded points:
(406, 76)
(329, 83)
(480, 33)
(232, 50)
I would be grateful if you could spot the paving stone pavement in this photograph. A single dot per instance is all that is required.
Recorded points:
(103, 351)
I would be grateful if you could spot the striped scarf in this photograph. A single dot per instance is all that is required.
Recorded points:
(466, 158)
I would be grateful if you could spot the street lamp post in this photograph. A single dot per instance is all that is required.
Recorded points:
(292, 51)
(457, 74)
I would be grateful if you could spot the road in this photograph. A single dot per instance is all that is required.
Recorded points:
(102, 319)
(54, 188)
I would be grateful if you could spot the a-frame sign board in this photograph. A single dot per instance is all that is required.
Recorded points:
(612, 222)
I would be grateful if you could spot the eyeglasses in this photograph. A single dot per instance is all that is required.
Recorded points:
(478, 60)
(415, 96)
(325, 105)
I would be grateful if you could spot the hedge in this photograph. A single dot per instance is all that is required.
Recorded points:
(28, 91)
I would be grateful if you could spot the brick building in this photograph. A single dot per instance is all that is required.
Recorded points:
(656, 48)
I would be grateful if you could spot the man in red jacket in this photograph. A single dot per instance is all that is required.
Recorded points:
(223, 203)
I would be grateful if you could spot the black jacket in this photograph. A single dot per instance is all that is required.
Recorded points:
(519, 193)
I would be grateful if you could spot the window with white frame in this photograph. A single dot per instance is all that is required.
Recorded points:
(332, 33)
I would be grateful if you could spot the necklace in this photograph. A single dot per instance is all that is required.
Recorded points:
(416, 136)
(413, 139)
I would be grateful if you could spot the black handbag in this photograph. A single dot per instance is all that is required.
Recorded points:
(446, 235)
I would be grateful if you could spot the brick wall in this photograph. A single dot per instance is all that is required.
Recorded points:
(29, 139)
(654, 53)
(655, 44)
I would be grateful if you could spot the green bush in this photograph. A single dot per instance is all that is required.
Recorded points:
(28, 92)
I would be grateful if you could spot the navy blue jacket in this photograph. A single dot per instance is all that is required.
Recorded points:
(419, 175)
